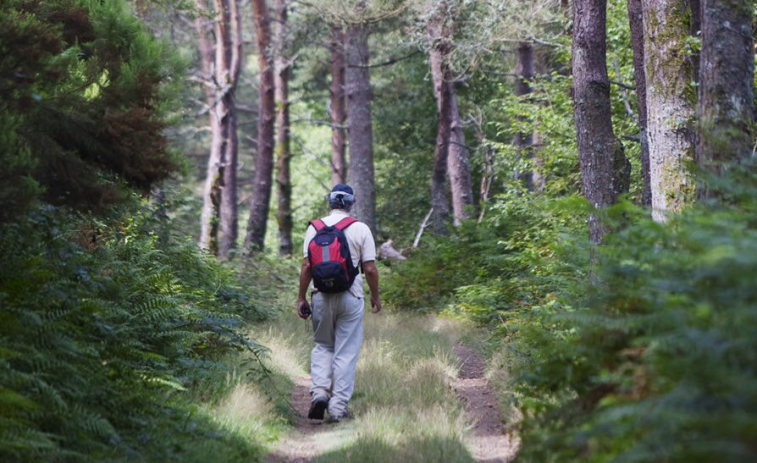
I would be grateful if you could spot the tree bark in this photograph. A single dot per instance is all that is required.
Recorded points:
(338, 108)
(524, 69)
(458, 164)
(636, 25)
(263, 178)
(229, 226)
(670, 105)
(283, 152)
(695, 29)
(438, 54)
(212, 190)
(604, 168)
(458, 158)
(726, 90)
(358, 89)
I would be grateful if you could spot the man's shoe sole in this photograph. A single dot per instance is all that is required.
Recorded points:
(318, 410)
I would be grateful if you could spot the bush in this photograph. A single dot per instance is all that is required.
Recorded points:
(656, 361)
(102, 326)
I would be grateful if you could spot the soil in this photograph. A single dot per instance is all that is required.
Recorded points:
(491, 443)
(301, 446)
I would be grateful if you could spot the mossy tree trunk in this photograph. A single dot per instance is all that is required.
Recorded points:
(726, 90)
(358, 89)
(338, 108)
(263, 178)
(283, 150)
(604, 168)
(670, 104)
(636, 24)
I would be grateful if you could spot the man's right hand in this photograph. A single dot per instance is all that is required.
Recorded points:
(303, 309)
(376, 304)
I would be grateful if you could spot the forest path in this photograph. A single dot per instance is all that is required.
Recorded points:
(490, 443)
(421, 397)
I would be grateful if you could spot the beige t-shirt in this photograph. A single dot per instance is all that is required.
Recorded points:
(360, 240)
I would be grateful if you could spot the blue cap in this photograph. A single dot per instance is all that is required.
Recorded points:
(344, 188)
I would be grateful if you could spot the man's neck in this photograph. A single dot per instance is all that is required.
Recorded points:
(339, 212)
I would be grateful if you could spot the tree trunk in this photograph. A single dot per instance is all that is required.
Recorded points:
(458, 159)
(726, 90)
(338, 108)
(604, 168)
(458, 163)
(283, 153)
(263, 178)
(637, 43)
(670, 105)
(695, 29)
(524, 69)
(211, 197)
(438, 54)
(229, 228)
(358, 88)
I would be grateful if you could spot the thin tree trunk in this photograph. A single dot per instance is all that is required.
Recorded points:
(458, 158)
(358, 88)
(458, 164)
(538, 177)
(438, 54)
(726, 90)
(524, 69)
(670, 105)
(604, 168)
(263, 178)
(229, 227)
(283, 153)
(211, 197)
(637, 43)
(338, 108)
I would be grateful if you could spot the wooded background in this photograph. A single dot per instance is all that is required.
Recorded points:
(576, 177)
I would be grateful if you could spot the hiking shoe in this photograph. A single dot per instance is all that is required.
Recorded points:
(318, 408)
(336, 419)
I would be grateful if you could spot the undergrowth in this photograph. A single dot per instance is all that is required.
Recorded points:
(106, 330)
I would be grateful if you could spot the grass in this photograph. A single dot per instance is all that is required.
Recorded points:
(404, 407)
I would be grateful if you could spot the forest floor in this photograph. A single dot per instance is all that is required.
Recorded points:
(421, 396)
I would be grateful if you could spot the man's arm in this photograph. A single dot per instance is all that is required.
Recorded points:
(302, 301)
(372, 277)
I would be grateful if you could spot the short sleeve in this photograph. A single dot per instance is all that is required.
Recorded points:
(309, 235)
(369, 246)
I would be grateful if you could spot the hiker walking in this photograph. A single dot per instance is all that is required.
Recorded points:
(335, 246)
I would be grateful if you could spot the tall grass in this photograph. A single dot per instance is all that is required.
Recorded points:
(404, 407)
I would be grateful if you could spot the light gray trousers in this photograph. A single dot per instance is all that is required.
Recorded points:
(338, 325)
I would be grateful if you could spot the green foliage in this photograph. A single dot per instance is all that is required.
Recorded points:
(656, 360)
(102, 327)
(83, 94)
(508, 262)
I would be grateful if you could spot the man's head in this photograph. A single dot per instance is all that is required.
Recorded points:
(341, 197)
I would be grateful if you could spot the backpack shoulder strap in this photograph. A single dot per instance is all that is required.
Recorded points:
(318, 225)
(345, 222)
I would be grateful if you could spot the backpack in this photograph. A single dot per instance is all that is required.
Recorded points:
(329, 254)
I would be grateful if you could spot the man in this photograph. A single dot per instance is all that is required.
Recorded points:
(338, 317)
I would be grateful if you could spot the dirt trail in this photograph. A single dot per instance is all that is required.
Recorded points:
(303, 445)
(490, 443)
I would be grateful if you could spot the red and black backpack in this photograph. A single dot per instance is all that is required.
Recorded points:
(329, 254)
